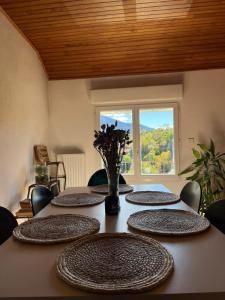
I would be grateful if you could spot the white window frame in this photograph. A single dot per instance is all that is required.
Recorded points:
(137, 177)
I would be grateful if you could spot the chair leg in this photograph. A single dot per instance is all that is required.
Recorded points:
(64, 170)
(58, 183)
(64, 183)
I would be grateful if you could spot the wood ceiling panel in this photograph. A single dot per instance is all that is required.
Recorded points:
(91, 38)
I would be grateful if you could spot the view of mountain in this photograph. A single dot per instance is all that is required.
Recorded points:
(122, 125)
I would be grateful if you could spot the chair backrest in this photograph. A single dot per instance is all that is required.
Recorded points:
(7, 224)
(54, 188)
(191, 195)
(100, 177)
(40, 197)
(216, 214)
(41, 154)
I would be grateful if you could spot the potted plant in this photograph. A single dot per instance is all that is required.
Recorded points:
(41, 176)
(111, 143)
(208, 169)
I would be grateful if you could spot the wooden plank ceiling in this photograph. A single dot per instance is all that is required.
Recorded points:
(92, 38)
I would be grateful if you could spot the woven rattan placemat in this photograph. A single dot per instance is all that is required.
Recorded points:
(168, 222)
(56, 229)
(78, 199)
(152, 197)
(112, 263)
(103, 188)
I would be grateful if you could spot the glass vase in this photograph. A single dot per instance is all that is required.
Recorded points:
(112, 205)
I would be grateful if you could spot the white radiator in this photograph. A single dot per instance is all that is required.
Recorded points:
(75, 169)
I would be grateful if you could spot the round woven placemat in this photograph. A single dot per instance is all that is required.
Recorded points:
(56, 229)
(152, 197)
(112, 263)
(168, 222)
(78, 199)
(103, 188)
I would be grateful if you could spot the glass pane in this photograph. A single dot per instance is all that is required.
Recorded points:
(124, 121)
(157, 141)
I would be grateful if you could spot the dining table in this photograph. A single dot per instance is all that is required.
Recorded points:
(28, 271)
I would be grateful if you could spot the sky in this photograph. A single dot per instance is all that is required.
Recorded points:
(156, 119)
(151, 118)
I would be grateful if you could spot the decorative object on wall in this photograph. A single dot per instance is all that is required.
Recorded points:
(208, 170)
(111, 143)
(112, 263)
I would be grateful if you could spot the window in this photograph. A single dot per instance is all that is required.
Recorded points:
(156, 131)
(153, 129)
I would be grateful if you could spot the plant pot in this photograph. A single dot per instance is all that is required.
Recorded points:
(41, 179)
(112, 205)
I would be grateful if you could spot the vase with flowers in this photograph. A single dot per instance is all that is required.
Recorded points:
(111, 143)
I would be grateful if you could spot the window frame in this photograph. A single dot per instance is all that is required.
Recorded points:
(135, 108)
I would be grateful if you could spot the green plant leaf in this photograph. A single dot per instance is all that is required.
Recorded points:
(220, 175)
(220, 155)
(216, 192)
(196, 153)
(187, 170)
(221, 186)
(212, 147)
(203, 147)
(199, 160)
(209, 171)
(195, 176)
(189, 178)
(198, 165)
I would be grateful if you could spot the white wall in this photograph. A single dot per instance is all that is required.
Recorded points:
(23, 112)
(72, 120)
(202, 115)
(202, 110)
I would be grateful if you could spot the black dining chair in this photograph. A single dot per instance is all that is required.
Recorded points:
(191, 195)
(100, 177)
(7, 223)
(216, 214)
(40, 197)
(54, 188)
